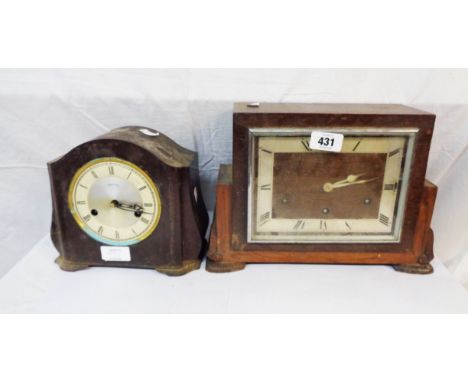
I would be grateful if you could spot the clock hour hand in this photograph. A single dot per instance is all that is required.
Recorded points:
(138, 210)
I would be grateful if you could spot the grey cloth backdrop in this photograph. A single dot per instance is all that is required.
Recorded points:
(45, 113)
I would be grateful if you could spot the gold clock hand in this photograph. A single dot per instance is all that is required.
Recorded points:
(350, 180)
(353, 178)
(355, 182)
(328, 187)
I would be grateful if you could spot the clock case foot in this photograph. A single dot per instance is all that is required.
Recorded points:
(176, 270)
(417, 269)
(222, 257)
(423, 266)
(69, 266)
(221, 267)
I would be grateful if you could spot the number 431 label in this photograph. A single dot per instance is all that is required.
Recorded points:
(320, 140)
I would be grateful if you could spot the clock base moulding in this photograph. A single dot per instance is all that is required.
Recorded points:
(222, 257)
(170, 270)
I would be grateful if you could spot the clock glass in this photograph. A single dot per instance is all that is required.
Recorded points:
(298, 194)
(114, 201)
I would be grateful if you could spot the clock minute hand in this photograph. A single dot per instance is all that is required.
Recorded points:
(349, 179)
(355, 182)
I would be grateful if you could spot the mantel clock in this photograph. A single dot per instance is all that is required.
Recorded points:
(323, 183)
(129, 198)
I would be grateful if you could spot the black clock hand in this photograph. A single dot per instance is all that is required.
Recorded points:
(129, 207)
(133, 207)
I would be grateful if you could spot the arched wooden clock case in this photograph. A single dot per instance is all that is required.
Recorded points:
(176, 244)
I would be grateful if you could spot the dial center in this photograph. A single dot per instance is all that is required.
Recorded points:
(106, 193)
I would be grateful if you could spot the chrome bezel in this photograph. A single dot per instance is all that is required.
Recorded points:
(394, 237)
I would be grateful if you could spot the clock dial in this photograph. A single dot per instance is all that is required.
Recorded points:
(114, 201)
(304, 195)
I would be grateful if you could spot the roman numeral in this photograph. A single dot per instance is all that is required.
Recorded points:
(94, 174)
(394, 152)
(100, 230)
(147, 204)
(357, 144)
(391, 186)
(299, 225)
(347, 225)
(384, 219)
(111, 170)
(265, 187)
(305, 143)
(146, 221)
(81, 202)
(130, 173)
(83, 187)
(142, 188)
(117, 236)
(87, 218)
(264, 217)
(266, 151)
(134, 232)
(323, 225)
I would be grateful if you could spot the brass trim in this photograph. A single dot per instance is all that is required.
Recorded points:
(86, 166)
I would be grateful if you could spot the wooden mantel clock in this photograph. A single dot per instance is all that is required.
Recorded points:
(129, 198)
(325, 183)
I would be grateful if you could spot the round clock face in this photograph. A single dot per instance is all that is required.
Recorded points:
(114, 201)
(355, 195)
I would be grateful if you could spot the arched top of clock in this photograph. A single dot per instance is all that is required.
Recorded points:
(156, 142)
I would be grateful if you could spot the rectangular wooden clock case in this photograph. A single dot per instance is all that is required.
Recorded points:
(230, 248)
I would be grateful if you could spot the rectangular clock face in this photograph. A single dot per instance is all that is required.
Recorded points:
(300, 195)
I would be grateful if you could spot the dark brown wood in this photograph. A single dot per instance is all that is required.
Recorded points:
(319, 169)
(177, 244)
(328, 115)
(220, 267)
(342, 109)
(415, 260)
